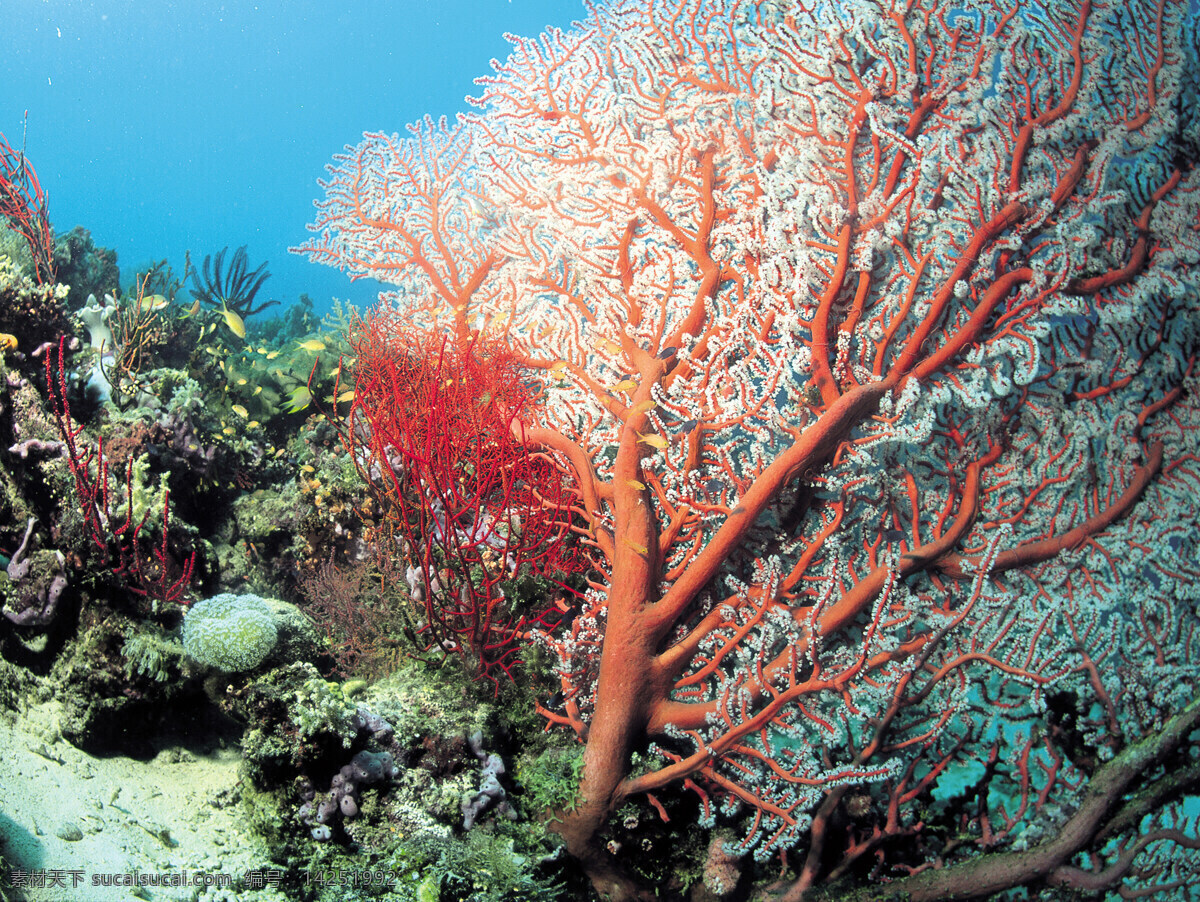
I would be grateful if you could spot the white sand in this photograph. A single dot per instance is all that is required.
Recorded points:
(63, 811)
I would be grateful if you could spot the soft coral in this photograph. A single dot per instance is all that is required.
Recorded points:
(437, 431)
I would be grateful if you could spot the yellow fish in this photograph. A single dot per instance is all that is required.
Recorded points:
(641, 407)
(8, 342)
(307, 469)
(192, 311)
(241, 382)
(627, 385)
(346, 396)
(229, 430)
(311, 345)
(253, 424)
(272, 355)
(240, 410)
(640, 549)
(633, 483)
(154, 302)
(605, 344)
(298, 399)
(233, 321)
(653, 439)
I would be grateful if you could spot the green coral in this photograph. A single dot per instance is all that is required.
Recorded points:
(261, 532)
(33, 313)
(418, 698)
(230, 632)
(162, 389)
(149, 652)
(549, 781)
(322, 707)
(146, 497)
(273, 750)
(14, 246)
(479, 867)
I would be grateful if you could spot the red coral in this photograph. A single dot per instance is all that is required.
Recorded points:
(436, 429)
(23, 206)
(119, 538)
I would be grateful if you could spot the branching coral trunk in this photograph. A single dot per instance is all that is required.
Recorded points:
(867, 333)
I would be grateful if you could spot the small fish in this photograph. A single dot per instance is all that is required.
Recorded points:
(257, 389)
(558, 367)
(229, 430)
(308, 469)
(298, 399)
(241, 382)
(634, 484)
(667, 353)
(272, 355)
(253, 424)
(640, 549)
(262, 350)
(607, 345)
(192, 310)
(653, 439)
(311, 345)
(240, 411)
(641, 407)
(154, 302)
(233, 321)
(346, 396)
(626, 385)
(689, 425)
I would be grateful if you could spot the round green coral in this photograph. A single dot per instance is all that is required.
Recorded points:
(229, 632)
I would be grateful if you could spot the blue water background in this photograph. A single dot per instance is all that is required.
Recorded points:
(164, 127)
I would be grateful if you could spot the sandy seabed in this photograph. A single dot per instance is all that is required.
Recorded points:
(78, 827)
